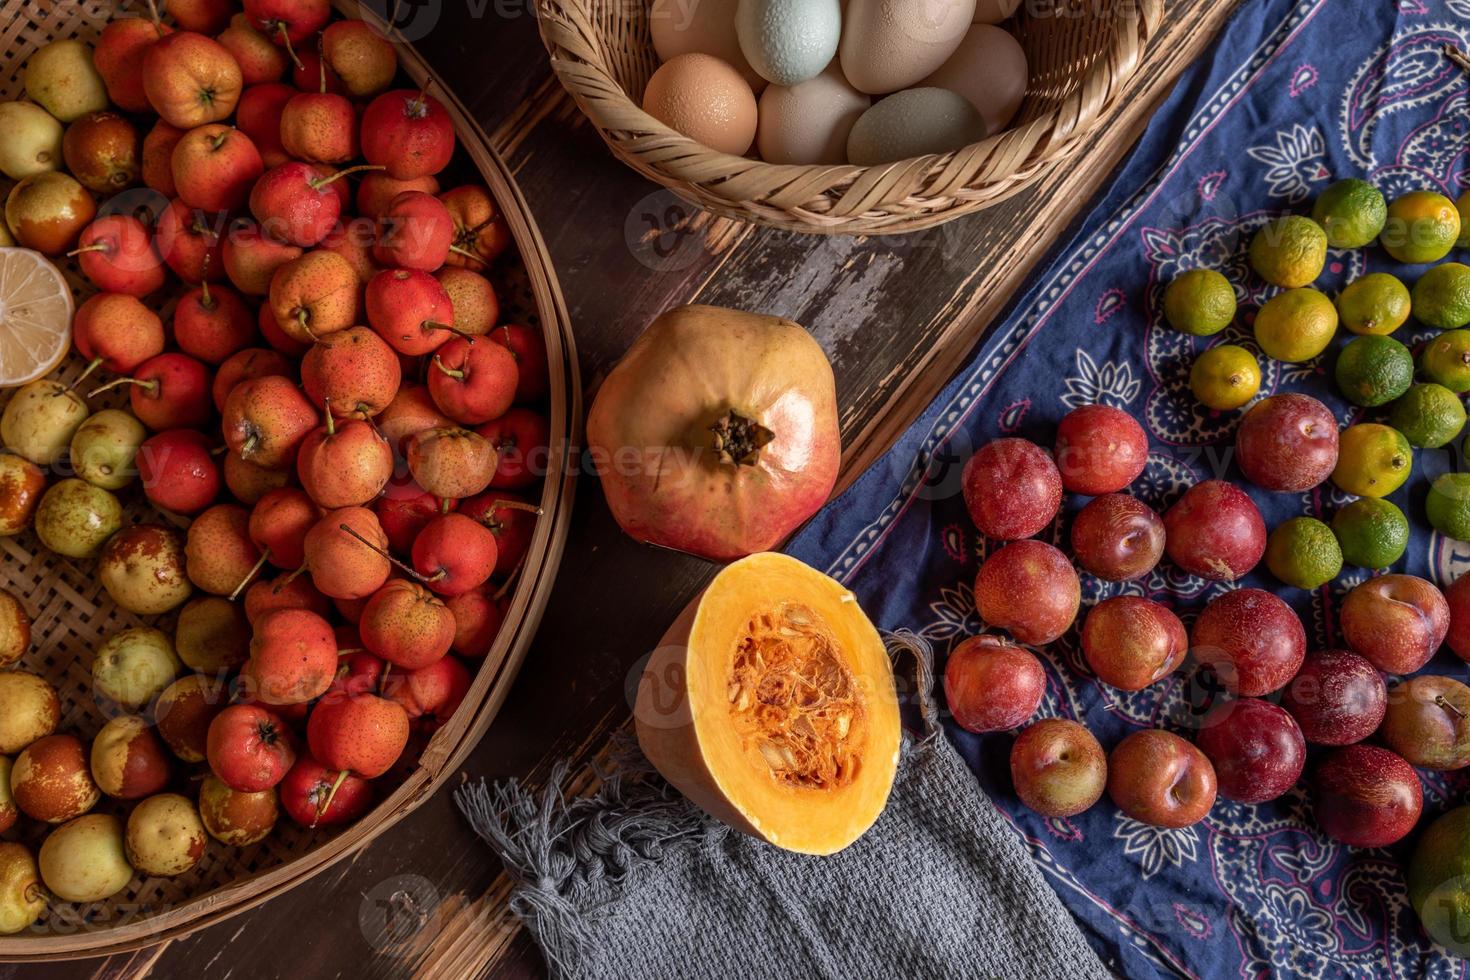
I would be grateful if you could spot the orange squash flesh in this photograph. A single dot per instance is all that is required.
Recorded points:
(771, 705)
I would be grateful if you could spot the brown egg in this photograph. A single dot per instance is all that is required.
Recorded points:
(103, 151)
(706, 27)
(48, 211)
(994, 11)
(989, 69)
(706, 100)
(51, 780)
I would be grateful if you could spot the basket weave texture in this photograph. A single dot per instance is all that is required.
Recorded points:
(72, 614)
(1080, 53)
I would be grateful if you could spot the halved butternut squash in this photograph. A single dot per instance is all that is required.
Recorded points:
(770, 703)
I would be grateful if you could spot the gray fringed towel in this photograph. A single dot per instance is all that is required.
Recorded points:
(636, 882)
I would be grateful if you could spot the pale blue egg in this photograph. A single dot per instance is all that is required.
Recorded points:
(789, 41)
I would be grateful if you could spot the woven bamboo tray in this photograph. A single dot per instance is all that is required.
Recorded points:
(1080, 52)
(72, 614)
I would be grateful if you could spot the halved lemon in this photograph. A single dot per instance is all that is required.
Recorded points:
(35, 316)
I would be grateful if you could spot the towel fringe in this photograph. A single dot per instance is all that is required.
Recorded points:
(559, 848)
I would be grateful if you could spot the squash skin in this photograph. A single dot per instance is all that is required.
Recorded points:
(685, 735)
(662, 470)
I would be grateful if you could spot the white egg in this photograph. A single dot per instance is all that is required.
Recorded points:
(808, 122)
(789, 41)
(913, 123)
(888, 45)
(989, 69)
(700, 27)
(994, 11)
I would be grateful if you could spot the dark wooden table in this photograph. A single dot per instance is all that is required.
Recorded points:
(896, 315)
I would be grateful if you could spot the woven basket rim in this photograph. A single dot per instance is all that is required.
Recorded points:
(447, 749)
(907, 195)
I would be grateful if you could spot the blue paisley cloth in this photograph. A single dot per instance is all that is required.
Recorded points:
(1293, 96)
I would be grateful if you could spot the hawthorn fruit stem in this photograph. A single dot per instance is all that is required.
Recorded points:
(331, 795)
(91, 366)
(250, 575)
(276, 589)
(286, 43)
(517, 505)
(150, 385)
(452, 372)
(317, 183)
(408, 570)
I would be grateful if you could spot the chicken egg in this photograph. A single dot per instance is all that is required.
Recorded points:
(888, 45)
(789, 41)
(705, 99)
(913, 123)
(994, 11)
(809, 122)
(989, 69)
(700, 27)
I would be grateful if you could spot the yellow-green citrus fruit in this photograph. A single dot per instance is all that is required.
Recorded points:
(1448, 505)
(1422, 226)
(1441, 297)
(1373, 460)
(1199, 302)
(1446, 360)
(1375, 303)
(1352, 213)
(1372, 533)
(1439, 880)
(1462, 205)
(1296, 325)
(1429, 415)
(1289, 251)
(1373, 370)
(1225, 377)
(1303, 552)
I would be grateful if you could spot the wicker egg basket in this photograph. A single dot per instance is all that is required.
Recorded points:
(1079, 52)
(72, 614)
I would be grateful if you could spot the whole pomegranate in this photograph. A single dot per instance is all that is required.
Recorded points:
(716, 434)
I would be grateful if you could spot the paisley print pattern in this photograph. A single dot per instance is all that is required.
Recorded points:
(1288, 101)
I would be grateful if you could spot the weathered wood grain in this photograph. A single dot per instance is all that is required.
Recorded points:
(896, 315)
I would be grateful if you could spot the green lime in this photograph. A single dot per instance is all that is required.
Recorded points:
(1374, 370)
(1225, 377)
(1372, 533)
(1375, 303)
(1429, 415)
(1439, 880)
(1448, 505)
(1441, 297)
(1373, 460)
(1446, 360)
(1352, 213)
(1422, 226)
(1289, 251)
(1296, 325)
(1462, 207)
(1303, 552)
(1199, 302)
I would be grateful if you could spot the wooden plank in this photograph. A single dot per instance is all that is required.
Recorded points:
(896, 315)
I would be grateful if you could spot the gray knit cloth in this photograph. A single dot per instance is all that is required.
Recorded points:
(638, 883)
